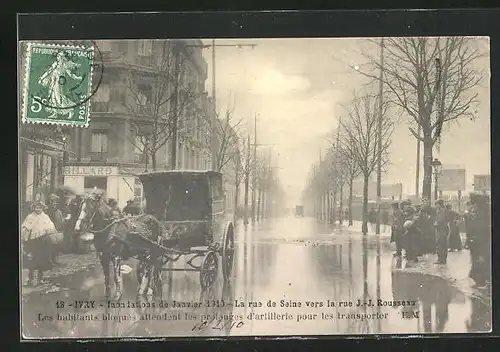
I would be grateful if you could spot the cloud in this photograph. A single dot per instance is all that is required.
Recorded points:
(272, 82)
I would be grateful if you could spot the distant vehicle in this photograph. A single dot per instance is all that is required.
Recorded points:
(299, 210)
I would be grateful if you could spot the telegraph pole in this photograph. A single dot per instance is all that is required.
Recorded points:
(336, 174)
(213, 118)
(379, 135)
(175, 97)
(247, 177)
(254, 163)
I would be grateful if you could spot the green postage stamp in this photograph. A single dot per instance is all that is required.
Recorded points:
(57, 84)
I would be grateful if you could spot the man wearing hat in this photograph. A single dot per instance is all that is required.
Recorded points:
(480, 239)
(442, 231)
(57, 219)
(54, 213)
(132, 208)
(35, 245)
(397, 228)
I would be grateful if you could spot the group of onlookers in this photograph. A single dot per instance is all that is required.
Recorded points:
(423, 229)
(50, 229)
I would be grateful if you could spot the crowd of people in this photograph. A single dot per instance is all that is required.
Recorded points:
(50, 229)
(422, 229)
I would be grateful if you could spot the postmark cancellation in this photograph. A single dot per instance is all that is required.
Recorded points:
(57, 84)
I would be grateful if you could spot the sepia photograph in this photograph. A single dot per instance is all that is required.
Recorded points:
(254, 187)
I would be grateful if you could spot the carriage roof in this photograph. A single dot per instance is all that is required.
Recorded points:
(156, 183)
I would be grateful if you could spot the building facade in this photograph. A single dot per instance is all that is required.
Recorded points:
(41, 152)
(129, 132)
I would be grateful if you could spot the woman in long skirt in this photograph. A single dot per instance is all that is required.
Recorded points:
(36, 243)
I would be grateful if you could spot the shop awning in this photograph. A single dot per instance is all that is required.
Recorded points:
(47, 144)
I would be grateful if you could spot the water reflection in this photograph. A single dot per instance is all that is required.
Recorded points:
(480, 318)
(120, 320)
(347, 268)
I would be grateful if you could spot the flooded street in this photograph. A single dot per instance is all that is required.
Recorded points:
(290, 277)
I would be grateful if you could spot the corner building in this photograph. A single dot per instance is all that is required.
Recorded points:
(107, 155)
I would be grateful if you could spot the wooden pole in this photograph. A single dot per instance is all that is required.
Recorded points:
(379, 136)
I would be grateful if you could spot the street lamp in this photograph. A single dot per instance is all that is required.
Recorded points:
(437, 166)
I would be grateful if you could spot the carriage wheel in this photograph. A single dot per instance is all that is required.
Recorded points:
(228, 251)
(208, 270)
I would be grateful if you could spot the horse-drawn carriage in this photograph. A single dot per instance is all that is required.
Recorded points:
(184, 217)
(190, 206)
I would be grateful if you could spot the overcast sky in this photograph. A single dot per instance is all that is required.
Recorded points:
(296, 85)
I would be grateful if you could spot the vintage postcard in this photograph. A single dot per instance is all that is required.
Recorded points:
(254, 187)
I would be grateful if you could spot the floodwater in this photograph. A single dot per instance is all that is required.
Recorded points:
(290, 277)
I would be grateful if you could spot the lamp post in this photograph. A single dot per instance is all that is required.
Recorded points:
(437, 166)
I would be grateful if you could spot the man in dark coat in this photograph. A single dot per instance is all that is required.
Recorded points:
(57, 218)
(69, 231)
(427, 227)
(442, 231)
(397, 228)
(455, 241)
(480, 239)
(412, 236)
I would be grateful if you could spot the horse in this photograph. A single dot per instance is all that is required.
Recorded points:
(113, 238)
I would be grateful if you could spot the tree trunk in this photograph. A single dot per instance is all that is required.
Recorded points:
(334, 206)
(259, 203)
(329, 209)
(427, 181)
(264, 204)
(247, 181)
(153, 160)
(245, 213)
(341, 204)
(365, 204)
(236, 196)
(350, 201)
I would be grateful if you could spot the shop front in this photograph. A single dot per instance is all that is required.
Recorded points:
(116, 183)
(40, 161)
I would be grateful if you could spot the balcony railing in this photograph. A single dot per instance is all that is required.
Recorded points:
(98, 156)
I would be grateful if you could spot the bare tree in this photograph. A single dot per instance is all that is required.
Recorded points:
(432, 80)
(229, 128)
(360, 138)
(160, 98)
(352, 170)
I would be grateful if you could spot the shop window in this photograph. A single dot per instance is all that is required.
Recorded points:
(144, 94)
(30, 179)
(140, 148)
(89, 183)
(43, 176)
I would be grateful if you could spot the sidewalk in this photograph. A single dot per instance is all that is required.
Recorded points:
(456, 271)
(69, 264)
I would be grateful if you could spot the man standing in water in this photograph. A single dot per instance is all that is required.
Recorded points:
(442, 230)
(479, 240)
(397, 228)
